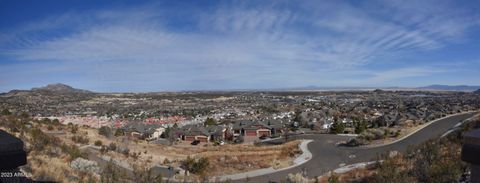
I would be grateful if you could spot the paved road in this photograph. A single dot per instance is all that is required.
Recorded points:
(327, 156)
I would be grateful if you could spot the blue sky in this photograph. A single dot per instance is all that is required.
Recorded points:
(139, 46)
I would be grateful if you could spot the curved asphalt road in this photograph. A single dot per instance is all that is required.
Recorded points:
(327, 156)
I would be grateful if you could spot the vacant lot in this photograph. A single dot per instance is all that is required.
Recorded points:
(224, 159)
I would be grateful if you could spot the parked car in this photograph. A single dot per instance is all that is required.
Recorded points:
(195, 142)
(263, 137)
(238, 141)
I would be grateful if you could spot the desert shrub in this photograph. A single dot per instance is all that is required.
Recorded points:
(56, 122)
(397, 133)
(119, 132)
(378, 134)
(367, 136)
(50, 128)
(112, 174)
(333, 178)
(337, 127)
(112, 146)
(390, 170)
(74, 129)
(24, 115)
(135, 155)
(210, 122)
(6, 112)
(73, 152)
(39, 139)
(98, 143)
(195, 166)
(436, 160)
(80, 139)
(144, 174)
(447, 170)
(360, 126)
(386, 133)
(166, 161)
(46, 121)
(105, 131)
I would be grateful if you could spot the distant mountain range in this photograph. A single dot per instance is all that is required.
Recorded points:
(465, 88)
(65, 89)
(450, 87)
(477, 91)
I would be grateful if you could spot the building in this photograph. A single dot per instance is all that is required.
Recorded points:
(257, 128)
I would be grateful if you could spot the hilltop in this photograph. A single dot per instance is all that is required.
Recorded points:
(57, 88)
(60, 88)
(451, 87)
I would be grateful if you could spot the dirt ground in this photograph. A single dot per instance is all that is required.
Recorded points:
(226, 159)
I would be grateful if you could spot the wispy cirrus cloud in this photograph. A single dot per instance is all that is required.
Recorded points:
(278, 43)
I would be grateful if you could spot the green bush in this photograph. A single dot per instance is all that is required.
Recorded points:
(337, 127)
(195, 166)
(39, 139)
(112, 146)
(80, 139)
(113, 174)
(333, 178)
(119, 132)
(397, 133)
(73, 129)
(24, 115)
(56, 122)
(209, 122)
(436, 160)
(6, 112)
(391, 171)
(360, 126)
(105, 131)
(144, 174)
(98, 143)
(73, 152)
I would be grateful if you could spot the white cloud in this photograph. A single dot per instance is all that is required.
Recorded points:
(292, 46)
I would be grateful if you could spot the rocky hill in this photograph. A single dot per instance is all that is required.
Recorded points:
(477, 91)
(60, 88)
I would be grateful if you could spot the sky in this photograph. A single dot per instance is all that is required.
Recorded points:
(144, 46)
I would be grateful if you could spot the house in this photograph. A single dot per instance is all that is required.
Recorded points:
(194, 132)
(257, 128)
(140, 130)
(156, 133)
(392, 119)
(217, 132)
(203, 134)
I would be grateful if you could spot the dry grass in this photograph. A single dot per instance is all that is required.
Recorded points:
(241, 158)
(50, 163)
(224, 159)
(51, 169)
